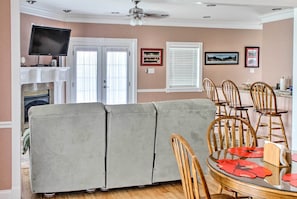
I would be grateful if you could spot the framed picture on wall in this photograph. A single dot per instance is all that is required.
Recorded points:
(151, 57)
(221, 58)
(252, 56)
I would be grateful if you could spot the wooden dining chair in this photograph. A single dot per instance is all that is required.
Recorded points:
(227, 132)
(230, 131)
(192, 176)
(233, 100)
(212, 94)
(265, 104)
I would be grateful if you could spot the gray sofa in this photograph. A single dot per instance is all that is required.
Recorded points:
(91, 145)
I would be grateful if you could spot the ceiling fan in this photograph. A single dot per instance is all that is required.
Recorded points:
(137, 14)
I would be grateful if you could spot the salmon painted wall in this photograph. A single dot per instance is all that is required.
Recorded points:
(277, 51)
(5, 99)
(156, 37)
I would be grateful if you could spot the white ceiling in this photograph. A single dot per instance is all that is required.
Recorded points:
(248, 14)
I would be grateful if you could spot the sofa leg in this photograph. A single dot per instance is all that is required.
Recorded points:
(92, 190)
(103, 189)
(49, 195)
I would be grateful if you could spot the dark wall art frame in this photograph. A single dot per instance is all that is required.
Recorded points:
(151, 57)
(221, 58)
(252, 54)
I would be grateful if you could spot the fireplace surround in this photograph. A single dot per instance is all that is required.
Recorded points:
(42, 85)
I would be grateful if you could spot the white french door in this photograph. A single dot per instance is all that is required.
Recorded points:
(101, 74)
(102, 70)
(87, 74)
(115, 75)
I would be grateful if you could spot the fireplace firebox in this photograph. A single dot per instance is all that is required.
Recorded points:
(36, 94)
(40, 98)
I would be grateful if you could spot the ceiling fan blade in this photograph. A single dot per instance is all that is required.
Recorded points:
(156, 15)
(137, 12)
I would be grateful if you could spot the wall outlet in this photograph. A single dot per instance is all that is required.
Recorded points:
(150, 71)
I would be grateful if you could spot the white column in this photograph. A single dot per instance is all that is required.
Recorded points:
(294, 108)
(59, 94)
(15, 192)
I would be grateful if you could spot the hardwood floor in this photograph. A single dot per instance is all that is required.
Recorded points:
(172, 190)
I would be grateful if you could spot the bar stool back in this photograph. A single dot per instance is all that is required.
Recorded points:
(265, 104)
(212, 94)
(233, 100)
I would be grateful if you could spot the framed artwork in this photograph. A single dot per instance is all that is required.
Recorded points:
(221, 58)
(151, 57)
(252, 57)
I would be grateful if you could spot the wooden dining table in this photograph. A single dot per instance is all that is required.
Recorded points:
(272, 186)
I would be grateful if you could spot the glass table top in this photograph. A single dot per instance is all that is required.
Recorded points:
(274, 181)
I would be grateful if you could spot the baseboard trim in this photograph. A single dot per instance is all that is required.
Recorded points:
(14, 193)
(5, 125)
(6, 194)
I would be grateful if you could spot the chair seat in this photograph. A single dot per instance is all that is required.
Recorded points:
(271, 112)
(241, 107)
(220, 103)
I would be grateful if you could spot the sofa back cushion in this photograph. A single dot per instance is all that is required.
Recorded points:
(190, 118)
(130, 144)
(67, 147)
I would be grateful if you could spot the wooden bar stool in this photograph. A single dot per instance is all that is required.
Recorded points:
(212, 94)
(232, 97)
(265, 104)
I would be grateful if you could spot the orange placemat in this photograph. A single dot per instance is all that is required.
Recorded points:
(243, 168)
(247, 152)
(290, 177)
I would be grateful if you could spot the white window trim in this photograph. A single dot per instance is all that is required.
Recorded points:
(184, 89)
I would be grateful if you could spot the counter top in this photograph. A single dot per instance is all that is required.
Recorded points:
(278, 93)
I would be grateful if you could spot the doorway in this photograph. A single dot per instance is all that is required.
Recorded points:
(102, 70)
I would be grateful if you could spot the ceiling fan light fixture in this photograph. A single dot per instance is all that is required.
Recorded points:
(136, 21)
(199, 3)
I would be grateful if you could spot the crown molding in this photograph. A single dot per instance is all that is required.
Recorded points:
(102, 19)
(49, 14)
(164, 22)
(277, 16)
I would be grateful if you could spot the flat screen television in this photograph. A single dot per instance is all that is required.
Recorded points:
(49, 41)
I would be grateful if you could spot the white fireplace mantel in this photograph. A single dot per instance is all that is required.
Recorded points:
(56, 75)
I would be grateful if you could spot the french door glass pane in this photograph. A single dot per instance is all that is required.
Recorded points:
(117, 75)
(86, 76)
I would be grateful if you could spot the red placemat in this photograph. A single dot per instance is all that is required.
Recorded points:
(243, 168)
(290, 177)
(247, 152)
